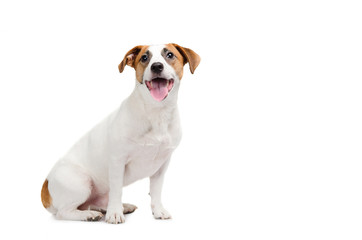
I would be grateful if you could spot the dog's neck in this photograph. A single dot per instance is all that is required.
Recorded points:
(158, 114)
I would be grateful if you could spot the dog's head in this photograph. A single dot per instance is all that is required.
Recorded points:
(159, 68)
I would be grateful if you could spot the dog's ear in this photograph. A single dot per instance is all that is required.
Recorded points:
(129, 58)
(189, 57)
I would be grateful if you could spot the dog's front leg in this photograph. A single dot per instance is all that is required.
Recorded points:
(156, 182)
(115, 208)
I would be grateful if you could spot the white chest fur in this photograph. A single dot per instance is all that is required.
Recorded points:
(153, 143)
(145, 135)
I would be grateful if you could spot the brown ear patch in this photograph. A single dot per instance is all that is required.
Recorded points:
(132, 59)
(46, 199)
(189, 56)
(129, 58)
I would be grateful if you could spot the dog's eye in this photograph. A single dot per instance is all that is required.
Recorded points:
(170, 55)
(144, 58)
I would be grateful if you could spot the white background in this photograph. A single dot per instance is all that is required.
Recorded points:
(271, 118)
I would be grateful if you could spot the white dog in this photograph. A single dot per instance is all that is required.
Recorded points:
(134, 142)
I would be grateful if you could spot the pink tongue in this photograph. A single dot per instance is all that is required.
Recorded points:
(159, 90)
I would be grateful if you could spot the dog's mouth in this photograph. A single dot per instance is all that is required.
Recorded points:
(159, 88)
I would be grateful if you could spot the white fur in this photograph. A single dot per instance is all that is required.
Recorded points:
(134, 142)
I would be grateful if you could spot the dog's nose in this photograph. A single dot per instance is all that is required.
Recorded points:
(157, 67)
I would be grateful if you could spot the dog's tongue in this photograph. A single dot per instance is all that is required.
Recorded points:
(159, 90)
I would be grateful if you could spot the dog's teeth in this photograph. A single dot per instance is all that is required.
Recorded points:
(151, 85)
(168, 83)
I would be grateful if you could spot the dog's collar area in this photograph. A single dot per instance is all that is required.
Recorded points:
(159, 87)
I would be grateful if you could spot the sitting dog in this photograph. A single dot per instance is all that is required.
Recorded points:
(134, 142)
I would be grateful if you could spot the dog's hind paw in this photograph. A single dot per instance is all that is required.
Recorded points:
(128, 208)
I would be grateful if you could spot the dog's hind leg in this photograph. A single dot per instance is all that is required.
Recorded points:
(128, 208)
(69, 188)
(100, 202)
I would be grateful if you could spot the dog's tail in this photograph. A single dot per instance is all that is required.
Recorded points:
(46, 199)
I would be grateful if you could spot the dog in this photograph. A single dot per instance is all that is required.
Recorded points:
(134, 142)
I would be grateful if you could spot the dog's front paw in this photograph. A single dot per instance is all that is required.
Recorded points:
(115, 217)
(160, 213)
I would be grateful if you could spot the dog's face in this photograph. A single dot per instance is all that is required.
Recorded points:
(159, 68)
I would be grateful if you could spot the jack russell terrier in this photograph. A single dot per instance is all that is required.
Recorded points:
(134, 142)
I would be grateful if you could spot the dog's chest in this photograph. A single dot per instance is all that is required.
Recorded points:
(151, 149)
(145, 162)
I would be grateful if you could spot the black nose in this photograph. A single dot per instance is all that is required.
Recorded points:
(157, 67)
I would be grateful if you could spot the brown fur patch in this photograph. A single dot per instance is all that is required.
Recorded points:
(46, 199)
(178, 62)
(140, 67)
(132, 59)
(189, 56)
(129, 58)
